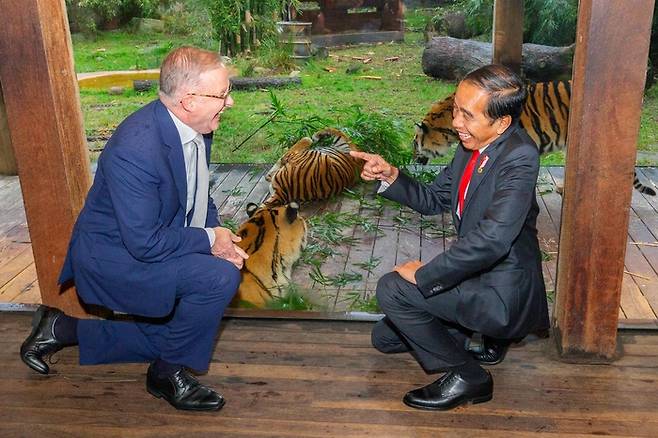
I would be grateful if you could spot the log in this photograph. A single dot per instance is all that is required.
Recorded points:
(451, 58)
(239, 83)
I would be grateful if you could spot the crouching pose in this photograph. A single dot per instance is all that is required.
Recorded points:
(148, 242)
(490, 279)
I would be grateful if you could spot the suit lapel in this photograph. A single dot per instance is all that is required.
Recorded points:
(171, 140)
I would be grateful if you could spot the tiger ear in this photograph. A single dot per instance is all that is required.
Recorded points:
(251, 209)
(291, 212)
(421, 127)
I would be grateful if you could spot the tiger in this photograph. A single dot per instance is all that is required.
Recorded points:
(274, 238)
(314, 168)
(545, 117)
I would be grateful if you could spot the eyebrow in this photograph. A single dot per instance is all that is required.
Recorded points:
(465, 111)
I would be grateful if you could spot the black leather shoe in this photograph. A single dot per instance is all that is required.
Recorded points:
(493, 351)
(42, 341)
(183, 391)
(450, 391)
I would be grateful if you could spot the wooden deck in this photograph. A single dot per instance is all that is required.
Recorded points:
(323, 379)
(374, 237)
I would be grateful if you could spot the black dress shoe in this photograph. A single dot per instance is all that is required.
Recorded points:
(450, 391)
(42, 341)
(183, 391)
(493, 351)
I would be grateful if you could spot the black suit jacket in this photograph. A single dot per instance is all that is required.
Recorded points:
(495, 263)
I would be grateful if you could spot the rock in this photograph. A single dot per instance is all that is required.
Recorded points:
(115, 91)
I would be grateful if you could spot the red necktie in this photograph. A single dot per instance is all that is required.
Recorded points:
(466, 178)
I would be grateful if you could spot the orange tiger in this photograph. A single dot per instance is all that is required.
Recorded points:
(545, 117)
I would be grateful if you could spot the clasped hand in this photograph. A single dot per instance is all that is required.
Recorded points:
(226, 248)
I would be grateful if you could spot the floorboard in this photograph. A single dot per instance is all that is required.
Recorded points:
(329, 382)
(344, 284)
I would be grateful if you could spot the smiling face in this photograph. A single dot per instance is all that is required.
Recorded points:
(474, 127)
(203, 103)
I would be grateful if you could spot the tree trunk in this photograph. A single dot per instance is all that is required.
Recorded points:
(240, 83)
(451, 58)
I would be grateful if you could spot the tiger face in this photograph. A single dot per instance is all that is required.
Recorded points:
(434, 135)
(274, 239)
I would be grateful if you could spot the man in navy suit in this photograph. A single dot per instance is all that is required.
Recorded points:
(148, 242)
(490, 280)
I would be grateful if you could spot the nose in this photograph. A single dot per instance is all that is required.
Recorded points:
(457, 119)
(229, 101)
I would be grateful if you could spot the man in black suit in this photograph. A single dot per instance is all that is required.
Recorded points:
(490, 280)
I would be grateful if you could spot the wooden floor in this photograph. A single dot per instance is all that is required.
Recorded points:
(351, 273)
(299, 378)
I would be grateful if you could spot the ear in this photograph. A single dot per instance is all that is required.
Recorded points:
(291, 212)
(187, 103)
(251, 209)
(503, 123)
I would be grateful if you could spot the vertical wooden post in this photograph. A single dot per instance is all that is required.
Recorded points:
(608, 79)
(45, 121)
(508, 33)
(7, 160)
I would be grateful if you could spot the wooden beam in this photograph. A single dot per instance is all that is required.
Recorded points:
(608, 80)
(45, 121)
(7, 160)
(508, 33)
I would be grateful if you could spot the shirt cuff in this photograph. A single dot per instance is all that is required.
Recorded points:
(211, 236)
(383, 186)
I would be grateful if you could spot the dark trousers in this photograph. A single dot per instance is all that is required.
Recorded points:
(205, 285)
(424, 326)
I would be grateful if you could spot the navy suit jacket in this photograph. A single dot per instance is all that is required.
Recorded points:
(131, 231)
(495, 263)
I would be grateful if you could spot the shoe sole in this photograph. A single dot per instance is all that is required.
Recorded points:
(157, 394)
(474, 401)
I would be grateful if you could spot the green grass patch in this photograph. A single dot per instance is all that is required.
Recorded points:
(330, 87)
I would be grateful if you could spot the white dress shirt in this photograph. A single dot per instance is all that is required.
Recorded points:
(187, 136)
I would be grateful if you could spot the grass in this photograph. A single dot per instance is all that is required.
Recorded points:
(329, 86)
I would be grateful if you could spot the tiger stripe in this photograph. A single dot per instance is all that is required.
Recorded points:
(545, 117)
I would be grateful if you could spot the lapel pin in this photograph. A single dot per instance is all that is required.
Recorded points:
(483, 163)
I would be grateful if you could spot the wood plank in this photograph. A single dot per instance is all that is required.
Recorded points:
(360, 256)
(633, 303)
(40, 91)
(329, 382)
(22, 284)
(7, 160)
(223, 190)
(508, 33)
(591, 247)
(641, 259)
(238, 195)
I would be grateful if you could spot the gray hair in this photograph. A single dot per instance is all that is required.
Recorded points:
(184, 66)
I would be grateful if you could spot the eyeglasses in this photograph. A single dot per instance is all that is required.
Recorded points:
(214, 96)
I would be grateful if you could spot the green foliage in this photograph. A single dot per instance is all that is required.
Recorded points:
(549, 22)
(292, 299)
(376, 132)
(371, 131)
(357, 302)
(89, 15)
(242, 25)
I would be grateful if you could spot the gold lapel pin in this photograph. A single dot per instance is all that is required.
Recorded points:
(483, 163)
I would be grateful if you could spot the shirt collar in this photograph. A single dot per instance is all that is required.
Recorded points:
(186, 133)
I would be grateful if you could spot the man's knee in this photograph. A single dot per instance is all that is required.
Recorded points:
(388, 290)
(227, 277)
